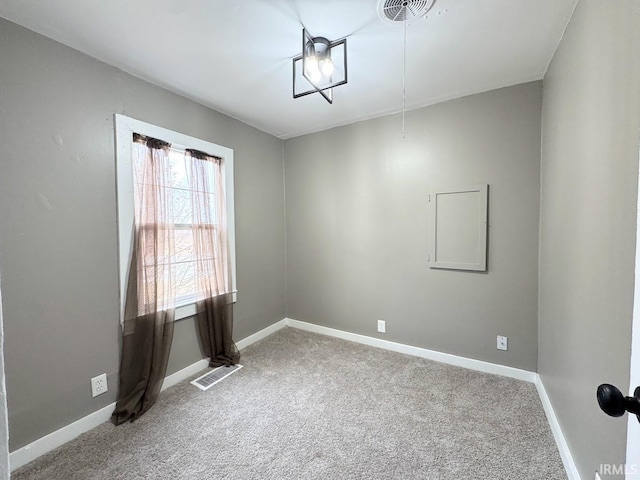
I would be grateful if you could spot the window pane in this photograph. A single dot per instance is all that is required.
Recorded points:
(178, 170)
(174, 248)
(184, 279)
(207, 168)
(181, 206)
(152, 247)
(183, 246)
(206, 205)
(208, 241)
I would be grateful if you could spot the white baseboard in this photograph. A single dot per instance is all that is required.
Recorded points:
(264, 333)
(561, 442)
(469, 363)
(185, 373)
(532, 377)
(43, 445)
(55, 439)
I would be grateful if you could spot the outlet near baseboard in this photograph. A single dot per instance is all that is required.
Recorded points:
(382, 326)
(99, 385)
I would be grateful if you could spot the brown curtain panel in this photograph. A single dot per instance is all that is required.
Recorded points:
(213, 268)
(149, 313)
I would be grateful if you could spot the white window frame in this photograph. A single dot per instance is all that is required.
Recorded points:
(125, 127)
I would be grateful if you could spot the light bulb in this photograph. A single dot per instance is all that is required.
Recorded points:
(312, 69)
(327, 67)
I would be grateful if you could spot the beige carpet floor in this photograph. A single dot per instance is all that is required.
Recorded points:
(307, 406)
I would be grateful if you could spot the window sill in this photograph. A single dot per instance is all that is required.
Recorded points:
(189, 309)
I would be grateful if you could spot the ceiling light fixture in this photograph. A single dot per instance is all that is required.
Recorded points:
(322, 64)
(394, 12)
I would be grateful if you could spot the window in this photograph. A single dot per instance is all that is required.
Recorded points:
(180, 216)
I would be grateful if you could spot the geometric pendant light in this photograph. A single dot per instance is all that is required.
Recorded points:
(320, 68)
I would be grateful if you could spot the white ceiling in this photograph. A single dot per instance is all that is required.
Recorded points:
(235, 55)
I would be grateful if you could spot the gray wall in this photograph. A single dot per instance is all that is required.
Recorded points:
(357, 226)
(58, 239)
(589, 181)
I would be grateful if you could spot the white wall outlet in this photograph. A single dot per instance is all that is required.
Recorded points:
(502, 343)
(382, 326)
(99, 385)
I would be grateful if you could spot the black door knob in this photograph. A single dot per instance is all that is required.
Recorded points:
(613, 403)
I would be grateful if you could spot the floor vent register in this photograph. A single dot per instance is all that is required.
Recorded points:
(216, 375)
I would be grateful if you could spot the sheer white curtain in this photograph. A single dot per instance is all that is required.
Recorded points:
(149, 313)
(181, 247)
(213, 269)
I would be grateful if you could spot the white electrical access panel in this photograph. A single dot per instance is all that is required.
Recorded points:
(458, 228)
